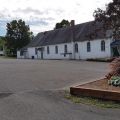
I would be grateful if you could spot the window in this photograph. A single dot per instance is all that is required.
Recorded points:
(76, 48)
(48, 51)
(21, 53)
(88, 47)
(36, 51)
(65, 48)
(56, 49)
(103, 45)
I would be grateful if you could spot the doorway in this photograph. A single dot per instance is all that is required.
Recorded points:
(41, 54)
(115, 52)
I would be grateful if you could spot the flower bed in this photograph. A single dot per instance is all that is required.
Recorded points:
(97, 89)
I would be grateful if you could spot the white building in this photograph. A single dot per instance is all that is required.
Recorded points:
(82, 41)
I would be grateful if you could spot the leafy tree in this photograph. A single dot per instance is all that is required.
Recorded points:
(110, 17)
(18, 35)
(2, 43)
(63, 23)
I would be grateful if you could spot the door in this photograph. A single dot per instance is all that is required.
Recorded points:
(115, 52)
(41, 54)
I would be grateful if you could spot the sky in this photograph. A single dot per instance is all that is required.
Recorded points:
(42, 15)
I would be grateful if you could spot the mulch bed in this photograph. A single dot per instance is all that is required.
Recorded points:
(97, 89)
(100, 85)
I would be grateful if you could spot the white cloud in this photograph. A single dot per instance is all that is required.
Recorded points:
(43, 14)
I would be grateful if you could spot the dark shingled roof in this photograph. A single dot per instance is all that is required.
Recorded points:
(81, 32)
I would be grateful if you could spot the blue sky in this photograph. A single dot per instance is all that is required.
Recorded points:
(42, 15)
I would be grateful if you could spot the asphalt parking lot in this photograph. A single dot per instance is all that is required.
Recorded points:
(36, 90)
(21, 75)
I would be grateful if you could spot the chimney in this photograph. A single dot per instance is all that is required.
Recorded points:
(72, 23)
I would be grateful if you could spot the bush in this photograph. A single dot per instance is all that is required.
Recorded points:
(115, 81)
(115, 68)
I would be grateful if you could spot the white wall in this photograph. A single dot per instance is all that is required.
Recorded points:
(1, 52)
(31, 53)
(52, 54)
(24, 56)
(60, 55)
(95, 49)
(39, 55)
(82, 51)
(18, 55)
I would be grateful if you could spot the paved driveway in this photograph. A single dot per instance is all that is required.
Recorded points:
(36, 88)
(21, 75)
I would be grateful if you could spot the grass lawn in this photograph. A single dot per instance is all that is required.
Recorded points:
(7, 57)
(92, 101)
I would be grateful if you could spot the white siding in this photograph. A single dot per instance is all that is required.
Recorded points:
(1, 52)
(19, 56)
(39, 55)
(82, 51)
(60, 55)
(31, 53)
(95, 49)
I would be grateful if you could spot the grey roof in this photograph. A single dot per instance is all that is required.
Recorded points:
(81, 32)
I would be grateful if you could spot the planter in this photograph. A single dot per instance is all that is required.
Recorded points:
(97, 89)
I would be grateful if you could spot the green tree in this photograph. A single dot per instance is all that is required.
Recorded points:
(18, 35)
(63, 23)
(2, 43)
(110, 17)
